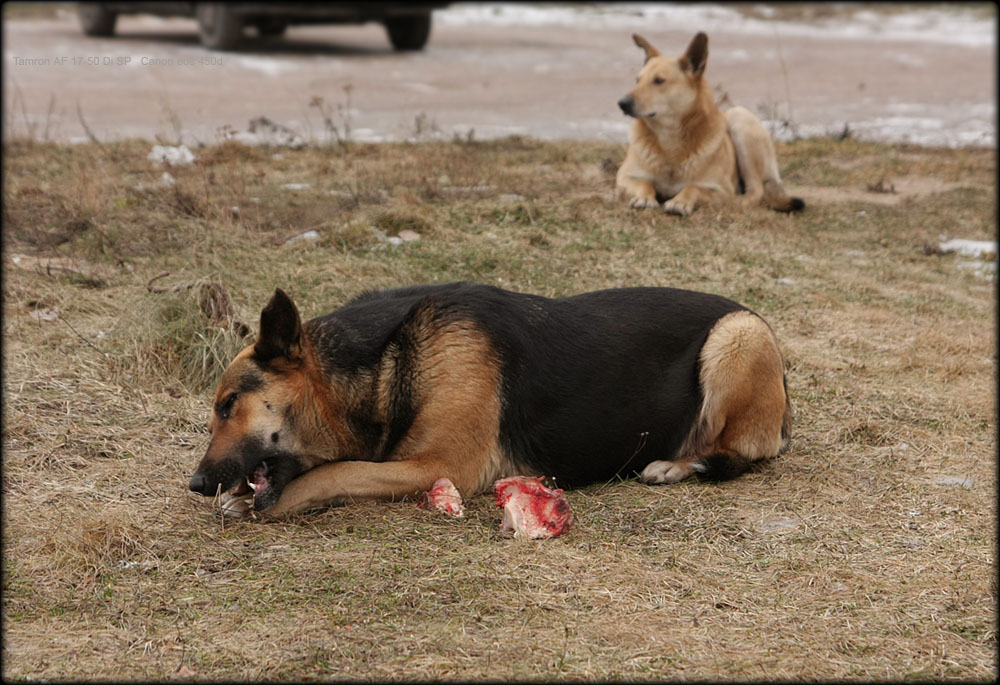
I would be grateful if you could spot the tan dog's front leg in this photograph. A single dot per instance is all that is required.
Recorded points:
(684, 202)
(345, 481)
(640, 194)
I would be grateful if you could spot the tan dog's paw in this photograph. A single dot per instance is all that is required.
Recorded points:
(680, 208)
(666, 472)
(643, 203)
(235, 506)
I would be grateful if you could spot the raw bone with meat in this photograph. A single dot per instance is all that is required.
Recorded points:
(443, 496)
(530, 509)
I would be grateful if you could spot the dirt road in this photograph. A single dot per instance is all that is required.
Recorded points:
(914, 74)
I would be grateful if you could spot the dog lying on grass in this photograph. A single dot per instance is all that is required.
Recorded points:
(683, 150)
(401, 387)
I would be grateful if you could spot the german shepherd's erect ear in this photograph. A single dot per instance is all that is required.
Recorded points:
(651, 52)
(696, 57)
(280, 330)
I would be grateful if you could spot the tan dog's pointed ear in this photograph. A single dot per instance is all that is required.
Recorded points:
(696, 57)
(280, 330)
(644, 44)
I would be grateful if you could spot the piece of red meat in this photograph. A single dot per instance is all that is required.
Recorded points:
(530, 509)
(443, 496)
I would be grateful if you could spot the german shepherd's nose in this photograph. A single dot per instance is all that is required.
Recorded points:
(199, 484)
(628, 105)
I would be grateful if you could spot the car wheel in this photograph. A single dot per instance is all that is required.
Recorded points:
(96, 19)
(218, 26)
(409, 32)
(272, 26)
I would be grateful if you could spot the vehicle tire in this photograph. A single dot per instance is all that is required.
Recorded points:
(219, 28)
(409, 32)
(96, 19)
(271, 26)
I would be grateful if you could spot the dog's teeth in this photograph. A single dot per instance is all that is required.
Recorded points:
(252, 485)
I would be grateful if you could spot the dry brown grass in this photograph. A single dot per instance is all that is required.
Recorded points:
(865, 552)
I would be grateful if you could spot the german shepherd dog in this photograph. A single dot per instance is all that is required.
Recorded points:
(473, 383)
(683, 150)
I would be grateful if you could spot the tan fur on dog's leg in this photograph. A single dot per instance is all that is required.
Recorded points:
(742, 378)
(346, 481)
(757, 162)
(639, 193)
(694, 196)
(750, 143)
(684, 202)
(745, 413)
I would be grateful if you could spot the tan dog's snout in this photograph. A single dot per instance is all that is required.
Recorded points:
(627, 105)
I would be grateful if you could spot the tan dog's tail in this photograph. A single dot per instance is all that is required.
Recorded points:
(778, 200)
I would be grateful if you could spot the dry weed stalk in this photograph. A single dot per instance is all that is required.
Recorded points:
(342, 131)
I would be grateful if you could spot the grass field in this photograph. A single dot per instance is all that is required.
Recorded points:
(868, 551)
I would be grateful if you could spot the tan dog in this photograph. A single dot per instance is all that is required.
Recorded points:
(683, 148)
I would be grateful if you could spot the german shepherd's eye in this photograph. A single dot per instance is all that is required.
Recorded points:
(659, 80)
(226, 408)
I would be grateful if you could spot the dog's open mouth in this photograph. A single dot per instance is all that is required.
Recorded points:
(260, 484)
(255, 479)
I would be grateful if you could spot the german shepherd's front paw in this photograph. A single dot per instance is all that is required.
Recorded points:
(679, 208)
(643, 203)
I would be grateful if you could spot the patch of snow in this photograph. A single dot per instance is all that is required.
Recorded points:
(420, 87)
(779, 525)
(47, 314)
(952, 26)
(266, 65)
(954, 480)
(171, 156)
(263, 131)
(987, 270)
(310, 236)
(969, 248)
(368, 135)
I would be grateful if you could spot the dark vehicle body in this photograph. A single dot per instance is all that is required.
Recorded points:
(221, 24)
